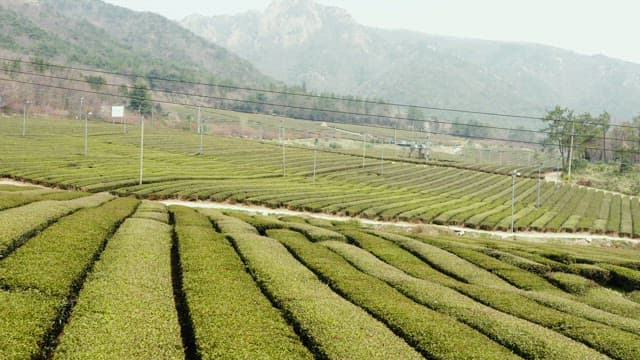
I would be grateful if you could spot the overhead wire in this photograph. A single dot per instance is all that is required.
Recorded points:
(255, 102)
(295, 107)
(341, 112)
(271, 91)
(246, 88)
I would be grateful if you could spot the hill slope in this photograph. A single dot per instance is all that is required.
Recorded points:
(95, 34)
(299, 41)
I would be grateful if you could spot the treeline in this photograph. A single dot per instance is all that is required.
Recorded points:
(142, 93)
(593, 138)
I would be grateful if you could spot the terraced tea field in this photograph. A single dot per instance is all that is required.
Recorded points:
(250, 171)
(95, 276)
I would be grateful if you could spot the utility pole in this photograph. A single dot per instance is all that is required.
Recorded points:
(559, 173)
(364, 148)
(427, 151)
(382, 159)
(86, 129)
(315, 159)
(395, 134)
(124, 123)
(81, 103)
(571, 148)
(141, 144)
(539, 180)
(513, 197)
(284, 156)
(604, 144)
(24, 118)
(201, 132)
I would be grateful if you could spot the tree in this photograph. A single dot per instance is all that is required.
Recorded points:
(562, 123)
(416, 116)
(139, 99)
(39, 65)
(95, 82)
(472, 128)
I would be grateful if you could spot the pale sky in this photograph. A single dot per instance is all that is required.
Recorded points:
(589, 26)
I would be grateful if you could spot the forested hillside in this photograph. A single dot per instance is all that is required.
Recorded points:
(302, 42)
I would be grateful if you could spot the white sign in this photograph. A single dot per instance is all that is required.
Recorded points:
(117, 111)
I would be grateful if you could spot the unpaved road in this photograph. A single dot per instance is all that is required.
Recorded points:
(528, 236)
(17, 183)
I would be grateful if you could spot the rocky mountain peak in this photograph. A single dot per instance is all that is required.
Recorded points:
(324, 48)
(293, 22)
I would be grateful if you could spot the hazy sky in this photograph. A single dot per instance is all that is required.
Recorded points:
(588, 26)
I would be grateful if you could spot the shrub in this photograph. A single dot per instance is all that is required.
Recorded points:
(26, 318)
(613, 224)
(231, 316)
(335, 327)
(524, 338)
(228, 224)
(593, 272)
(442, 260)
(622, 277)
(571, 283)
(19, 224)
(522, 263)
(53, 260)
(435, 335)
(111, 300)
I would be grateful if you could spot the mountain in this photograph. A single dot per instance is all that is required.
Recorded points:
(324, 49)
(95, 35)
(98, 35)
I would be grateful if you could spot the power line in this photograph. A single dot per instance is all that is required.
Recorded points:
(593, 137)
(290, 106)
(233, 87)
(277, 105)
(255, 102)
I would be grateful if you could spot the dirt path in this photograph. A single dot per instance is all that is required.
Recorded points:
(17, 183)
(577, 238)
(528, 236)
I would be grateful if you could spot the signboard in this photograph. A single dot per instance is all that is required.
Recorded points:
(117, 111)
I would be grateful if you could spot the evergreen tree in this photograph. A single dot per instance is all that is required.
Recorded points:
(140, 99)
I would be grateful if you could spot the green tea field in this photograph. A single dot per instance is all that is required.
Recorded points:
(234, 169)
(94, 276)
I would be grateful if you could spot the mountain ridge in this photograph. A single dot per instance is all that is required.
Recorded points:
(105, 36)
(324, 48)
